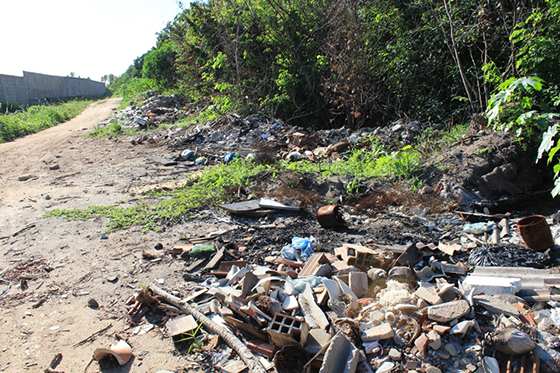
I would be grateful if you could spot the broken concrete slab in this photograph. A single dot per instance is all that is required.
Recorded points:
(492, 285)
(314, 316)
(358, 282)
(446, 312)
(317, 340)
(341, 356)
(496, 305)
(379, 332)
(428, 295)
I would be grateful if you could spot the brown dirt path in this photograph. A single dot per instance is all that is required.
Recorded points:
(66, 263)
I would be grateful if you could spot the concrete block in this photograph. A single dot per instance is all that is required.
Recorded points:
(446, 312)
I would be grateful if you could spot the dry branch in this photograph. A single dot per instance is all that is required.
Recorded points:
(232, 341)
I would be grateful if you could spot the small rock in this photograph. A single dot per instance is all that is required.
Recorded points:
(435, 340)
(432, 369)
(92, 303)
(451, 349)
(427, 295)
(462, 328)
(104, 237)
(294, 156)
(496, 305)
(395, 354)
(441, 329)
(379, 332)
(54, 167)
(421, 343)
(385, 367)
(448, 311)
(25, 177)
(443, 354)
(511, 341)
(158, 246)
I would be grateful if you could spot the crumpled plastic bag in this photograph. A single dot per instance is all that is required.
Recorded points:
(478, 228)
(313, 281)
(306, 247)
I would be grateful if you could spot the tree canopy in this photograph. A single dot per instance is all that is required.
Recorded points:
(324, 63)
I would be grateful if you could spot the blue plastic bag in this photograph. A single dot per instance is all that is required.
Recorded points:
(230, 157)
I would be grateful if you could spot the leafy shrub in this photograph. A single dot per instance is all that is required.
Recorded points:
(38, 118)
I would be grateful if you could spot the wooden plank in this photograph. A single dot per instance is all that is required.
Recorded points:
(196, 264)
(215, 259)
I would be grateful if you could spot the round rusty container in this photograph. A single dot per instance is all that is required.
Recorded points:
(535, 232)
(330, 216)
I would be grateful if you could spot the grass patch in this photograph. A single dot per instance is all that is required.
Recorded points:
(372, 162)
(38, 118)
(112, 129)
(215, 184)
(207, 188)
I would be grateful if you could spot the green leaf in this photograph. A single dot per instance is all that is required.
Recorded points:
(553, 152)
(556, 189)
(547, 141)
(493, 113)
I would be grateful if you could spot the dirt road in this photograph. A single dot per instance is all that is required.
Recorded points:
(56, 266)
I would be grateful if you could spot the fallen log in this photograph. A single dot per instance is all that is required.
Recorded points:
(246, 355)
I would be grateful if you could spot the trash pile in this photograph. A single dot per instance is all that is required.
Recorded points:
(483, 170)
(473, 295)
(465, 305)
(153, 112)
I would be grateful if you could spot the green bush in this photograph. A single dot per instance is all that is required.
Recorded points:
(38, 118)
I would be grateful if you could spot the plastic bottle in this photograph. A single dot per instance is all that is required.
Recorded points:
(201, 249)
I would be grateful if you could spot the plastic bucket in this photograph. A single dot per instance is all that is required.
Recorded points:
(535, 232)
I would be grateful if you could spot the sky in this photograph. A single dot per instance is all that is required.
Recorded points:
(89, 38)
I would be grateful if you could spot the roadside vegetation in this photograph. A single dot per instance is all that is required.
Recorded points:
(215, 185)
(328, 64)
(365, 63)
(28, 120)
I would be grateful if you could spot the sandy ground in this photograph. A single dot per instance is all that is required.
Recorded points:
(64, 263)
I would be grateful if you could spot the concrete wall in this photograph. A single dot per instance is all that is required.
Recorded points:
(32, 88)
(13, 88)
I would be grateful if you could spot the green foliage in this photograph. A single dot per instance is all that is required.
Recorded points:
(38, 118)
(196, 342)
(112, 129)
(208, 187)
(159, 65)
(353, 63)
(11, 107)
(367, 163)
(512, 108)
(135, 88)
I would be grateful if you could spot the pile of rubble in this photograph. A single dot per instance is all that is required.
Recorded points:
(485, 169)
(366, 308)
(483, 300)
